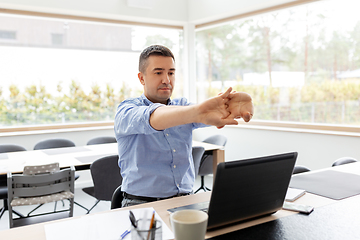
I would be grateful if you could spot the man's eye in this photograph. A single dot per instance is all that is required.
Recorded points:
(157, 73)
(171, 73)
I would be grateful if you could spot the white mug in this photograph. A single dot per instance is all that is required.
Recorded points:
(189, 224)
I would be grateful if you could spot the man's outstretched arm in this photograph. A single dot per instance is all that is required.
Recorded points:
(211, 112)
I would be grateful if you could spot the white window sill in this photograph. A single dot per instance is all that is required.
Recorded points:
(326, 129)
(58, 128)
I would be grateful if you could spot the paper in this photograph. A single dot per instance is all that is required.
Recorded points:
(292, 194)
(55, 151)
(104, 226)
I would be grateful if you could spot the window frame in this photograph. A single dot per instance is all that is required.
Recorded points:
(36, 129)
(333, 129)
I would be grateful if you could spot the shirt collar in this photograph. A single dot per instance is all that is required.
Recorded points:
(148, 102)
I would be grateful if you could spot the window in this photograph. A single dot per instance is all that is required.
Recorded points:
(66, 71)
(300, 64)
(57, 39)
(8, 35)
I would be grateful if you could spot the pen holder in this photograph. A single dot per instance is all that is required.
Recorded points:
(143, 231)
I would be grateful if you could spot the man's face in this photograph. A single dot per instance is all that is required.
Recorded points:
(158, 79)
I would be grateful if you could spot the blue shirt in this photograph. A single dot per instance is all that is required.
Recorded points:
(153, 163)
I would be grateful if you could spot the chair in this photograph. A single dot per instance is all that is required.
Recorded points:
(300, 169)
(101, 140)
(344, 160)
(197, 153)
(5, 148)
(117, 198)
(106, 176)
(54, 143)
(206, 164)
(39, 185)
(57, 143)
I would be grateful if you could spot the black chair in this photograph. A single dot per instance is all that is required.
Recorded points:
(197, 153)
(206, 164)
(54, 143)
(106, 176)
(58, 143)
(5, 148)
(117, 198)
(300, 169)
(344, 160)
(101, 140)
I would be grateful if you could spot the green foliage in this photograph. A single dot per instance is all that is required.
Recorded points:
(36, 106)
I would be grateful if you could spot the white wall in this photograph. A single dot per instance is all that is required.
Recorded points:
(79, 136)
(316, 151)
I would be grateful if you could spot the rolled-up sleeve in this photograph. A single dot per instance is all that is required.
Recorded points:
(131, 118)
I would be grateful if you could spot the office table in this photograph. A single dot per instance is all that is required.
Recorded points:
(80, 157)
(263, 227)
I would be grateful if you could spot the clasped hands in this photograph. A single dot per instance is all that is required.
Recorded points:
(240, 106)
(228, 106)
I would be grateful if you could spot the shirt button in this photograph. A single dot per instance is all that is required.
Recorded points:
(174, 166)
(178, 185)
(174, 150)
(167, 134)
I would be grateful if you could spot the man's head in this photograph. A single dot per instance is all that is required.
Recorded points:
(157, 73)
(153, 50)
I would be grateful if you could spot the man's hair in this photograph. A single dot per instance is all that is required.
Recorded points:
(153, 50)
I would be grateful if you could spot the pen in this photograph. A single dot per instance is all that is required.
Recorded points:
(125, 233)
(151, 224)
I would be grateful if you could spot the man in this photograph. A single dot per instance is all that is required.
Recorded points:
(154, 132)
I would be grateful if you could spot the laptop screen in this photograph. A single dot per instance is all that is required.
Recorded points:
(245, 189)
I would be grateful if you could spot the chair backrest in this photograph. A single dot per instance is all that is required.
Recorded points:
(101, 140)
(5, 148)
(54, 143)
(206, 163)
(22, 185)
(106, 176)
(217, 140)
(117, 198)
(47, 168)
(42, 186)
(344, 160)
(197, 153)
(300, 169)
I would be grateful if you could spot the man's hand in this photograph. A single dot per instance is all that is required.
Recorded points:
(240, 106)
(214, 111)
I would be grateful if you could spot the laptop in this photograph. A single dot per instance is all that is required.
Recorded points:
(246, 189)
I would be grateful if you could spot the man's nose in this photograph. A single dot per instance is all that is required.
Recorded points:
(166, 79)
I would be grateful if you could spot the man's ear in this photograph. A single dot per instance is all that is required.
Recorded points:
(141, 78)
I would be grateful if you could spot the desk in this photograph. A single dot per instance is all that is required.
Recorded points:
(79, 157)
(36, 232)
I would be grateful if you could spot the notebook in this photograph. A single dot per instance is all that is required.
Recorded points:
(246, 189)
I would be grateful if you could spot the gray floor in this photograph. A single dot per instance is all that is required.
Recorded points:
(83, 199)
